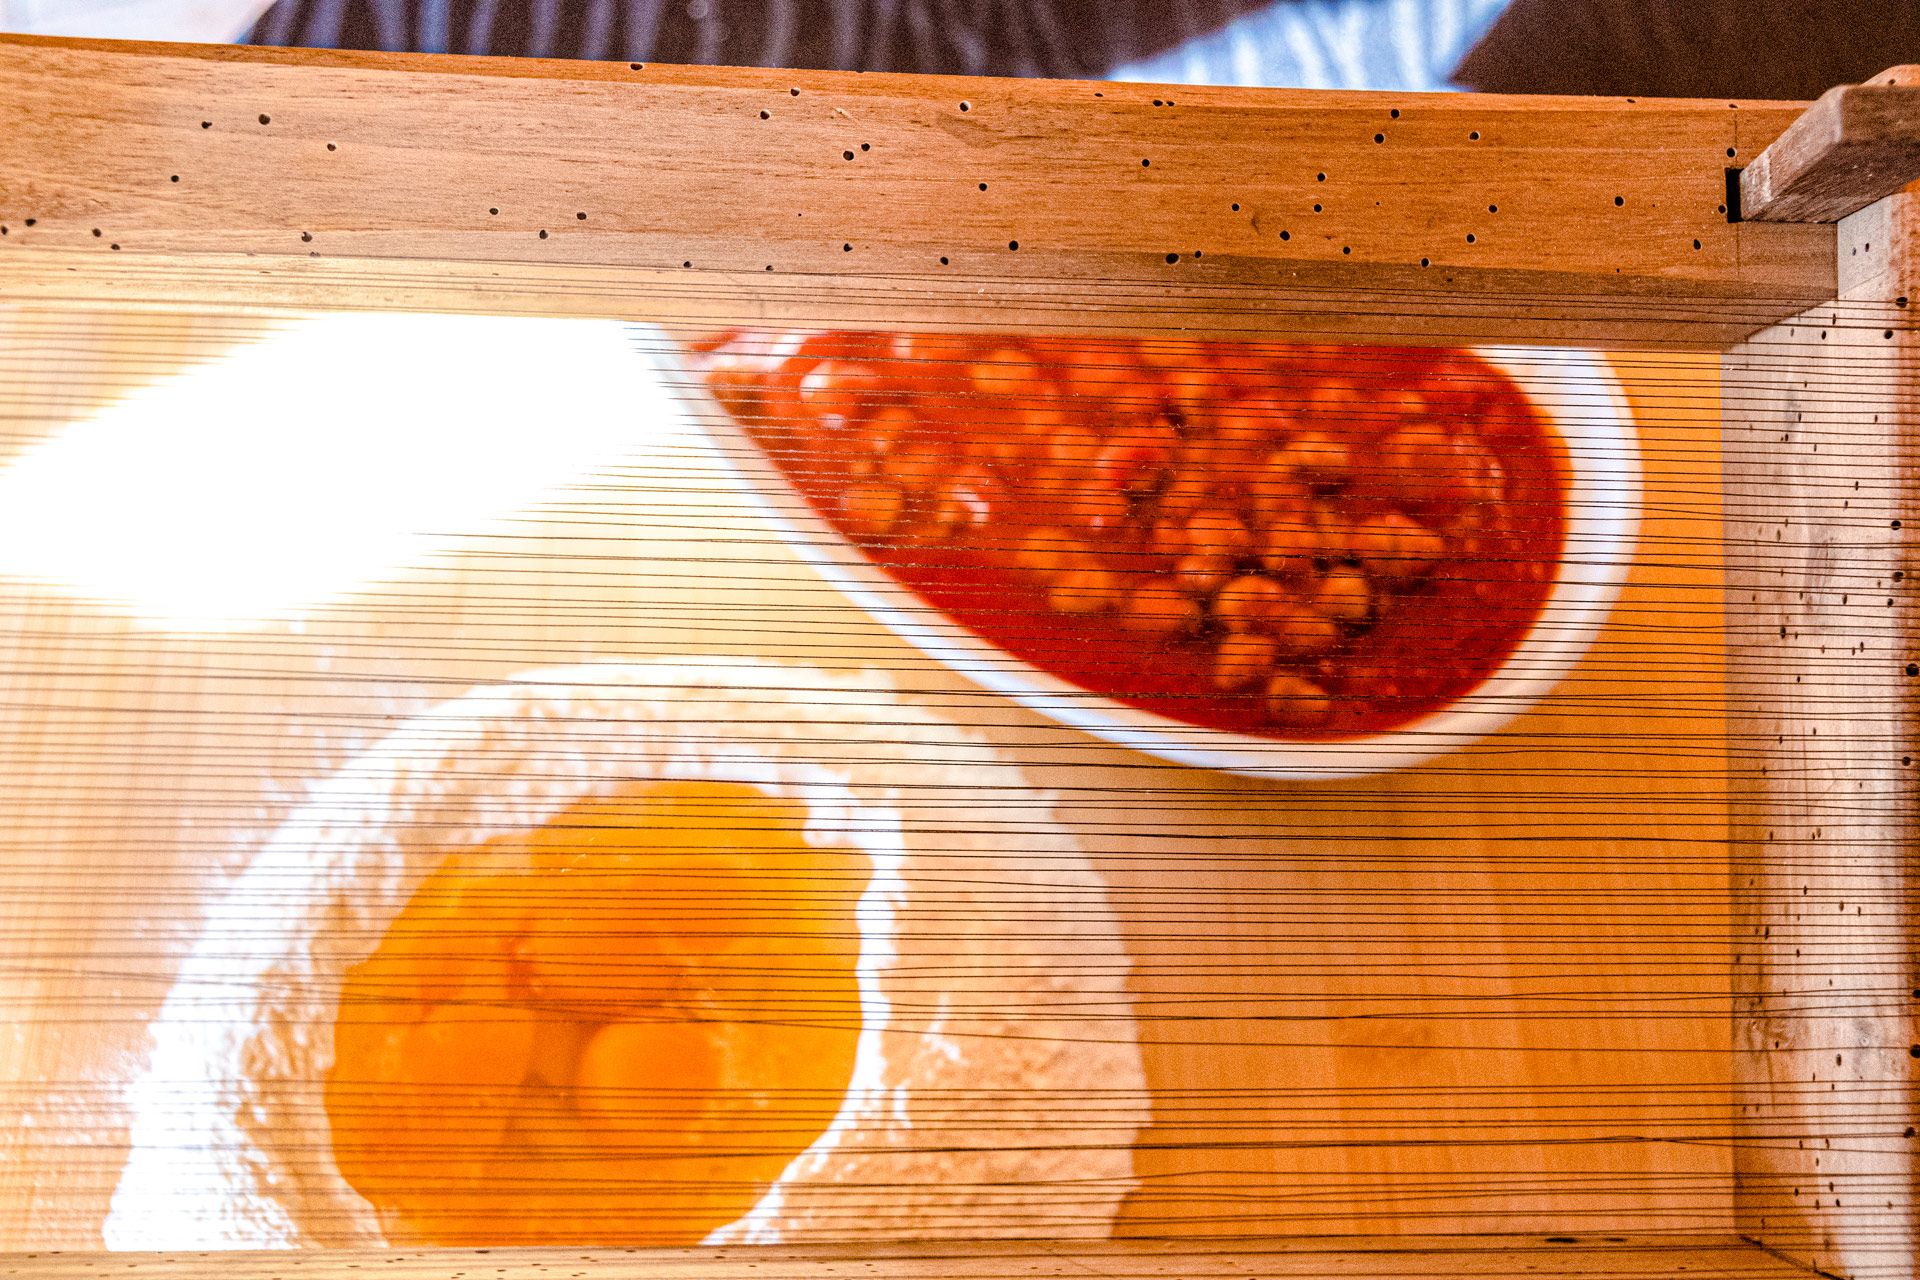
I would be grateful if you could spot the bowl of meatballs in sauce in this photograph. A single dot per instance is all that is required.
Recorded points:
(1279, 560)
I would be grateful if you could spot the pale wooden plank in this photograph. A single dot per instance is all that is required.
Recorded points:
(1857, 144)
(1820, 418)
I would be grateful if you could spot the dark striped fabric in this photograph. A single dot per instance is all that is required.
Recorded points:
(1071, 38)
(1692, 48)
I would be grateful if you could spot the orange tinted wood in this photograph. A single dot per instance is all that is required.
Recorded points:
(330, 179)
(1486, 1258)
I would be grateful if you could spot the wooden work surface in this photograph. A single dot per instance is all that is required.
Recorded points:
(1528, 1033)
(1489, 1258)
(236, 178)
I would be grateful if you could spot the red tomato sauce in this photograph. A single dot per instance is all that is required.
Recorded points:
(1299, 542)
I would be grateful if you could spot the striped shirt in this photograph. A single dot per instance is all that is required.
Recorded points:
(1067, 38)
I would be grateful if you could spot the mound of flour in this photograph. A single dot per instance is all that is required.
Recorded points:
(992, 976)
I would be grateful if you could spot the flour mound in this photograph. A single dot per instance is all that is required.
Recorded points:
(992, 977)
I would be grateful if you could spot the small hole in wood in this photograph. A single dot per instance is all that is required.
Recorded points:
(96, 233)
(966, 106)
(206, 124)
(866, 146)
(1470, 238)
(1236, 208)
(1618, 201)
(766, 115)
(174, 178)
(1319, 177)
(846, 248)
(332, 147)
(581, 216)
(33, 221)
(1173, 257)
(1286, 235)
(114, 247)
(1379, 137)
(1158, 103)
(983, 186)
(1346, 248)
(1887, 334)
(847, 155)
(686, 264)
(943, 262)
(1145, 163)
(795, 93)
(1474, 136)
(265, 118)
(1394, 113)
(1732, 152)
(1316, 208)
(1696, 244)
(306, 237)
(636, 66)
(1493, 208)
(495, 212)
(543, 235)
(1013, 244)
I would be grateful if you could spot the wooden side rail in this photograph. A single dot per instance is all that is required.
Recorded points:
(1821, 416)
(185, 175)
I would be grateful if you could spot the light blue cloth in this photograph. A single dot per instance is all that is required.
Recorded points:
(1330, 44)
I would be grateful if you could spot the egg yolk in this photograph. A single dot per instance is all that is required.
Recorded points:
(617, 1028)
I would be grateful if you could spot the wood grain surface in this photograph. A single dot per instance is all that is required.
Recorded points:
(1859, 143)
(1561, 1007)
(1486, 994)
(1820, 418)
(1357, 1258)
(244, 177)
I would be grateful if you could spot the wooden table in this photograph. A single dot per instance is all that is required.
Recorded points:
(1490, 993)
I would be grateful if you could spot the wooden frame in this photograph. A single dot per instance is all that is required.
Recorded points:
(845, 198)
(147, 175)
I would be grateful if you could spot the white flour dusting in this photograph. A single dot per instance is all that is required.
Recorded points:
(1019, 1016)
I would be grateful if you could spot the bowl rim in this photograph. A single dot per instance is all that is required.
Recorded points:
(1575, 390)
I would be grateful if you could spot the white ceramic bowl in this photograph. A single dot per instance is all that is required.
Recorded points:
(1574, 390)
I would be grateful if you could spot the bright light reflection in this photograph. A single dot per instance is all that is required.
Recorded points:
(326, 456)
